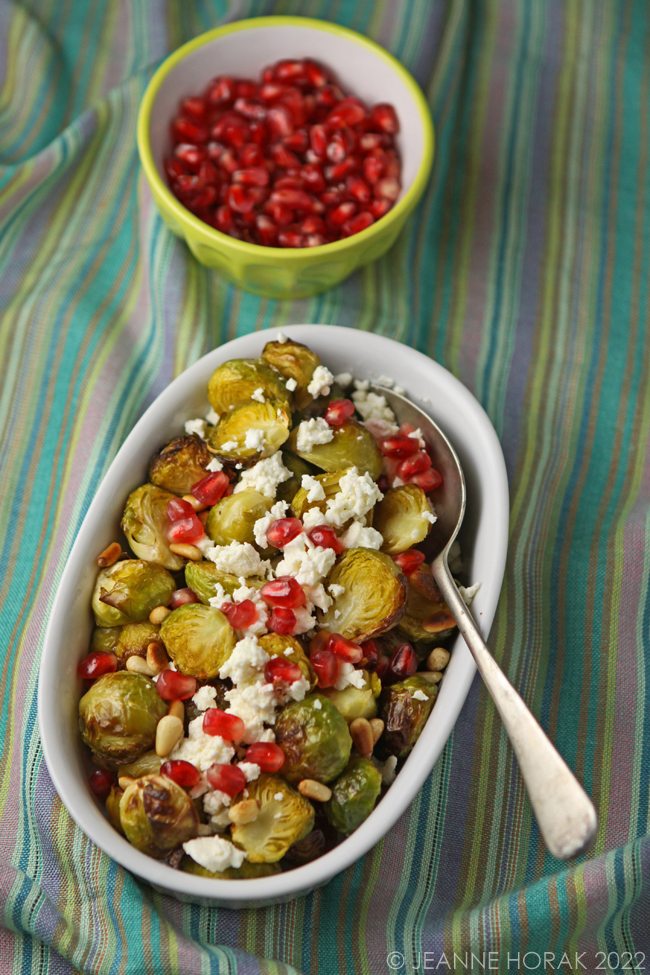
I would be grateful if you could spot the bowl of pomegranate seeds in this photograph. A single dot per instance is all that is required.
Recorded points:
(287, 152)
(248, 672)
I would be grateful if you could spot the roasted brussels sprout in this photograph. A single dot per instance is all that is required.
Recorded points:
(277, 645)
(220, 701)
(404, 714)
(293, 361)
(330, 485)
(352, 446)
(355, 702)
(250, 432)
(354, 795)
(157, 815)
(247, 871)
(199, 639)
(105, 639)
(118, 716)
(203, 578)
(318, 406)
(403, 517)
(280, 823)
(113, 808)
(374, 595)
(135, 638)
(315, 741)
(232, 385)
(145, 524)
(127, 592)
(288, 489)
(147, 764)
(232, 518)
(426, 620)
(180, 464)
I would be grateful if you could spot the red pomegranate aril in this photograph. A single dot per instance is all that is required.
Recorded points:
(315, 74)
(184, 130)
(349, 111)
(181, 597)
(413, 465)
(101, 783)
(325, 537)
(318, 140)
(383, 483)
(181, 772)
(209, 172)
(210, 488)
(326, 666)
(358, 188)
(204, 199)
(284, 157)
(370, 141)
(282, 531)
(344, 649)
(338, 216)
(295, 199)
(279, 121)
(239, 200)
(282, 621)
(361, 221)
(250, 109)
(96, 664)
(191, 156)
(224, 219)
(338, 172)
(319, 641)
(336, 151)
(289, 70)
(281, 215)
(289, 238)
(250, 155)
(176, 167)
(393, 167)
(386, 188)
(409, 561)
(428, 480)
(267, 231)
(313, 225)
(245, 89)
(280, 671)
(253, 176)
(314, 240)
(271, 91)
(338, 411)
(328, 96)
(221, 91)
(189, 186)
(240, 615)
(173, 686)
(298, 142)
(186, 530)
(226, 726)
(383, 117)
(288, 183)
(267, 755)
(373, 166)
(370, 657)
(226, 778)
(403, 663)
(285, 592)
(399, 446)
(379, 208)
(312, 176)
(228, 161)
(193, 108)
(382, 666)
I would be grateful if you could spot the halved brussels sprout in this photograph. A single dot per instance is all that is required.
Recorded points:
(118, 716)
(157, 815)
(404, 715)
(352, 446)
(134, 639)
(232, 384)
(374, 596)
(280, 823)
(147, 764)
(145, 524)
(113, 807)
(356, 702)
(402, 518)
(127, 591)
(293, 360)
(277, 645)
(232, 518)
(203, 578)
(315, 741)
(288, 489)
(199, 639)
(105, 639)
(247, 871)
(180, 464)
(425, 621)
(318, 406)
(354, 795)
(251, 431)
(330, 485)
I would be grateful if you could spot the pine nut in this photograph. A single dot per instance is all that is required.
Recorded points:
(311, 789)
(433, 676)
(177, 709)
(190, 552)
(158, 614)
(438, 659)
(377, 726)
(362, 736)
(168, 731)
(244, 812)
(125, 781)
(196, 504)
(110, 555)
(203, 516)
(138, 665)
(157, 659)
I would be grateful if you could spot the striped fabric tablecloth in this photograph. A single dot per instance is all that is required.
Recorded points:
(525, 272)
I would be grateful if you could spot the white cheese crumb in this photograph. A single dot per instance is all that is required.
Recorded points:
(229, 445)
(250, 769)
(200, 749)
(281, 338)
(196, 426)
(385, 381)
(349, 676)
(306, 562)
(258, 395)
(429, 516)
(214, 853)
(264, 477)
(214, 465)
(312, 432)
(357, 536)
(468, 594)
(417, 435)
(420, 695)
(402, 392)
(361, 385)
(291, 384)
(380, 428)
(212, 417)
(246, 661)
(372, 406)
(311, 518)
(335, 590)
(388, 771)
(337, 613)
(305, 620)
(204, 543)
(343, 378)
(258, 627)
(255, 439)
(321, 382)
(238, 558)
(317, 705)
(254, 703)
(205, 698)
(278, 796)
(263, 524)
(357, 494)
(315, 490)
(288, 652)
(398, 482)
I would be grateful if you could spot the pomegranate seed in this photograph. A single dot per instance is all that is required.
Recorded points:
(328, 96)
(250, 109)
(228, 161)
(271, 91)
(245, 89)
(295, 199)
(267, 233)
(280, 671)
(312, 175)
(279, 121)
(379, 208)
(393, 166)
(313, 225)
(173, 686)
(194, 108)
(285, 592)
(182, 773)
(210, 488)
(428, 480)
(221, 91)
(370, 657)
(403, 663)
(413, 465)
(282, 621)
(293, 100)
(226, 726)
(314, 240)
(209, 172)
(282, 531)
(349, 111)
(370, 141)
(387, 188)
(335, 151)
(383, 117)
(289, 238)
(177, 509)
(298, 142)
(409, 561)
(399, 446)
(383, 483)
(259, 134)
(338, 411)
(250, 155)
(283, 157)
(358, 223)
(341, 213)
(318, 140)
(175, 168)
(344, 649)
(253, 176)
(315, 74)
(186, 530)
(325, 537)
(280, 214)
(241, 615)
(358, 188)
(231, 129)
(215, 150)
(96, 664)
(288, 70)
(382, 666)
(226, 778)
(182, 597)
(268, 756)
(191, 156)
(239, 200)
(184, 130)
(338, 172)
(224, 219)
(326, 666)
(373, 166)
(101, 783)
(319, 642)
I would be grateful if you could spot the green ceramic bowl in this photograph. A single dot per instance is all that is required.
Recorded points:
(242, 49)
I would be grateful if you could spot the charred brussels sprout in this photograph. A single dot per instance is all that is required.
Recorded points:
(281, 822)
(293, 360)
(233, 384)
(403, 518)
(404, 715)
(147, 764)
(180, 464)
(355, 702)
(113, 808)
(330, 485)
(251, 431)
(203, 578)
(199, 639)
(288, 489)
(277, 645)
(374, 595)
(426, 619)
(247, 871)
(315, 741)
(352, 446)
(127, 592)
(354, 795)
(157, 815)
(232, 518)
(145, 524)
(118, 716)
(135, 638)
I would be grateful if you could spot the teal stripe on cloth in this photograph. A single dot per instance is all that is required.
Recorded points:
(525, 271)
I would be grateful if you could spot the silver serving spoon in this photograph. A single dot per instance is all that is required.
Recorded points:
(566, 815)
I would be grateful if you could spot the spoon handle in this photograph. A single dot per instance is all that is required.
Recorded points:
(566, 815)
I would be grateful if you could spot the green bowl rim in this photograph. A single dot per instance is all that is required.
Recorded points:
(403, 206)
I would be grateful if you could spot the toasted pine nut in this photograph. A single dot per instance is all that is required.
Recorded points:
(138, 665)
(125, 781)
(311, 789)
(377, 726)
(203, 516)
(158, 614)
(177, 709)
(168, 731)
(433, 676)
(157, 659)
(190, 552)
(244, 812)
(110, 555)
(196, 504)
(438, 659)
(362, 736)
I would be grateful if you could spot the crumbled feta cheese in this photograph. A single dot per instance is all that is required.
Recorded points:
(263, 524)
(318, 596)
(258, 395)
(349, 676)
(291, 384)
(220, 596)
(281, 338)
(216, 801)
(205, 697)
(356, 495)
(401, 391)
(357, 536)
(313, 432)
(214, 853)
(429, 516)
(337, 613)
(311, 518)
(361, 385)
(204, 543)
(246, 661)
(306, 562)
(238, 558)
(343, 379)
(278, 796)
(468, 594)
(288, 652)
(305, 620)
(229, 445)
(214, 465)
(420, 695)
(258, 627)
(321, 382)
(200, 749)
(372, 406)
(417, 435)
(294, 692)
(388, 770)
(255, 439)
(250, 769)
(264, 477)
(212, 417)
(315, 490)
(335, 590)
(398, 482)
(196, 426)
(254, 703)
(385, 381)
(317, 705)
(380, 428)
